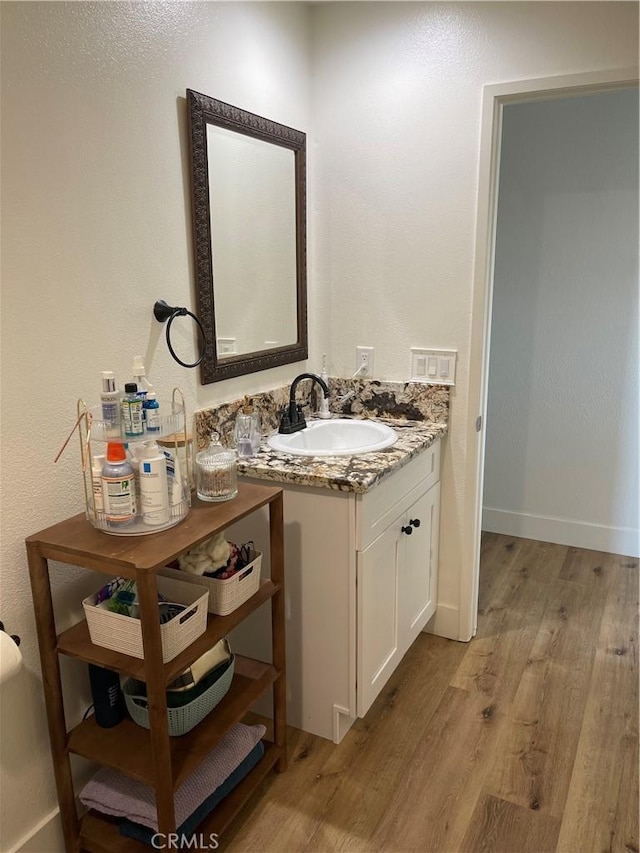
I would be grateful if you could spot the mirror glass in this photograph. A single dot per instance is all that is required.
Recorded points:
(248, 181)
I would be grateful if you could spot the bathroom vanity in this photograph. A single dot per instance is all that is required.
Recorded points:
(361, 557)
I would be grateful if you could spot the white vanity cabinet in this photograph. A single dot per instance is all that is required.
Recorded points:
(359, 589)
(397, 560)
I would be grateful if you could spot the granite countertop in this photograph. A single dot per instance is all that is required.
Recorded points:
(345, 473)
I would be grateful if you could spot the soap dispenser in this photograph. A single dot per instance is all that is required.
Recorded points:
(247, 430)
(323, 411)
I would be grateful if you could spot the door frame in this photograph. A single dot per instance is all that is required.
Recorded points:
(494, 98)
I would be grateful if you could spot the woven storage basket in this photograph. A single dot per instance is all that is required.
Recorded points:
(225, 596)
(124, 633)
(180, 720)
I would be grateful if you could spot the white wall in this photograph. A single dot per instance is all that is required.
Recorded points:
(96, 223)
(561, 458)
(397, 108)
(96, 226)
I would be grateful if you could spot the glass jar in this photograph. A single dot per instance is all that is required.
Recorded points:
(216, 477)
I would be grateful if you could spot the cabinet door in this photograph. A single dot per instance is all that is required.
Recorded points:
(378, 636)
(418, 571)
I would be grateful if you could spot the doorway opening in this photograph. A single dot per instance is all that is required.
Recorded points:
(496, 100)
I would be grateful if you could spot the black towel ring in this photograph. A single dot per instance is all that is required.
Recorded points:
(163, 313)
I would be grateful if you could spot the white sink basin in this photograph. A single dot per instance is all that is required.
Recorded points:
(339, 437)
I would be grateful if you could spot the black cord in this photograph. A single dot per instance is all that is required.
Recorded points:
(86, 713)
(182, 312)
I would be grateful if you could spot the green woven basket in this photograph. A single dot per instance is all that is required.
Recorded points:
(186, 717)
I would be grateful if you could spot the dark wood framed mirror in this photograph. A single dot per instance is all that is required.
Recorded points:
(248, 179)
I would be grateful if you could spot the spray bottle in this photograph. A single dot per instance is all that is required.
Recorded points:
(139, 376)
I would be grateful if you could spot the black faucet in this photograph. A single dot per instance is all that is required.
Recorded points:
(292, 418)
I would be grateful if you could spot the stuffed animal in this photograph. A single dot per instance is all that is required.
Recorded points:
(209, 556)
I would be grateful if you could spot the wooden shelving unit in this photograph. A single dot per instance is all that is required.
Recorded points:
(152, 756)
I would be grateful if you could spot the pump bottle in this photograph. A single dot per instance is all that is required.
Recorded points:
(247, 430)
(139, 376)
(323, 411)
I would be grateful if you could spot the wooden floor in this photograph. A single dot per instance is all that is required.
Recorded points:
(523, 740)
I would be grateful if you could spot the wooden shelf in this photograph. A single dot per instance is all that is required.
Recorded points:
(77, 542)
(127, 746)
(100, 834)
(76, 641)
(152, 756)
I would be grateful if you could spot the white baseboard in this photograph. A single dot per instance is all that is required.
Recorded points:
(45, 837)
(563, 531)
(445, 622)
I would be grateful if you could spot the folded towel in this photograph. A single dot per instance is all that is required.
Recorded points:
(111, 792)
(186, 830)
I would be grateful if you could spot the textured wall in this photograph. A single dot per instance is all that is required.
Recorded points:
(95, 222)
(96, 227)
(562, 426)
(397, 108)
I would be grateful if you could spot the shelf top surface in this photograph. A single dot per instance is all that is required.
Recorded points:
(76, 541)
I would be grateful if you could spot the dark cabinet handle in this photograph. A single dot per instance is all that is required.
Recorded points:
(408, 530)
(415, 522)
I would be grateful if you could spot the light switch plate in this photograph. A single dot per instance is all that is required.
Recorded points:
(433, 366)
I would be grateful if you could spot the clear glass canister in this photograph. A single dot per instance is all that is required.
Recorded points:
(216, 477)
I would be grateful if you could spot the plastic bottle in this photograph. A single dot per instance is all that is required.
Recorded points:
(151, 412)
(154, 497)
(133, 454)
(247, 430)
(118, 487)
(110, 404)
(131, 410)
(175, 478)
(139, 376)
(97, 464)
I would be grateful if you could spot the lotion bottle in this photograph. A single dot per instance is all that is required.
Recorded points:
(154, 496)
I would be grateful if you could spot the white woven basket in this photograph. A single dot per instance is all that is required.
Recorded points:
(225, 596)
(124, 633)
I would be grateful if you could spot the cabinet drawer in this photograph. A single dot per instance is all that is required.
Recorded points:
(377, 509)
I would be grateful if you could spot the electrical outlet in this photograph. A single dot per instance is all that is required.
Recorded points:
(364, 361)
(226, 346)
(433, 366)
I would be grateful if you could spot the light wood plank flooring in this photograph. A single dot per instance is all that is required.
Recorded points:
(524, 739)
